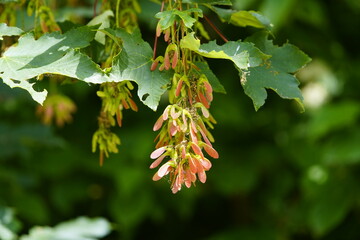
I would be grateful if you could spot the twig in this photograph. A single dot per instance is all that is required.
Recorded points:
(215, 28)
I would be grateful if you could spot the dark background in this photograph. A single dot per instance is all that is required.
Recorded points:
(281, 174)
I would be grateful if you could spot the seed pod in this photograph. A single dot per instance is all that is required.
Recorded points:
(211, 151)
(119, 117)
(157, 161)
(158, 30)
(202, 176)
(157, 152)
(158, 124)
(175, 59)
(133, 105)
(167, 61)
(125, 104)
(154, 65)
(203, 100)
(167, 35)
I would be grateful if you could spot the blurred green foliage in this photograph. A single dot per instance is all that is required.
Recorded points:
(281, 174)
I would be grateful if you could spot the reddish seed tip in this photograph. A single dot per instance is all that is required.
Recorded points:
(154, 65)
(206, 164)
(156, 177)
(158, 30)
(157, 161)
(203, 100)
(197, 149)
(125, 104)
(157, 152)
(158, 124)
(178, 88)
(174, 60)
(202, 176)
(192, 165)
(167, 35)
(119, 118)
(211, 151)
(133, 105)
(167, 61)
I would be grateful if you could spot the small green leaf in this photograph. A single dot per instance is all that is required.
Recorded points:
(168, 18)
(242, 18)
(209, 2)
(133, 63)
(9, 31)
(243, 54)
(214, 81)
(276, 73)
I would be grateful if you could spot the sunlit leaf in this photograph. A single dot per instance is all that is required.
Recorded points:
(133, 63)
(9, 31)
(52, 53)
(79, 229)
(243, 54)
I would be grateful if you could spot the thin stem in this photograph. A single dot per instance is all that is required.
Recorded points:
(95, 4)
(36, 16)
(117, 12)
(216, 29)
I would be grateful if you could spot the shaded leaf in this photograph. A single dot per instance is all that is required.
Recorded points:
(9, 31)
(276, 73)
(242, 18)
(133, 63)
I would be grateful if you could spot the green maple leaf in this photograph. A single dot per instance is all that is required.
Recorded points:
(209, 2)
(242, 54)
(168, 18)
(242, 18)
(133, 63)
(52, 53)
(9, 1)
(9, 31)
(276, 74)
